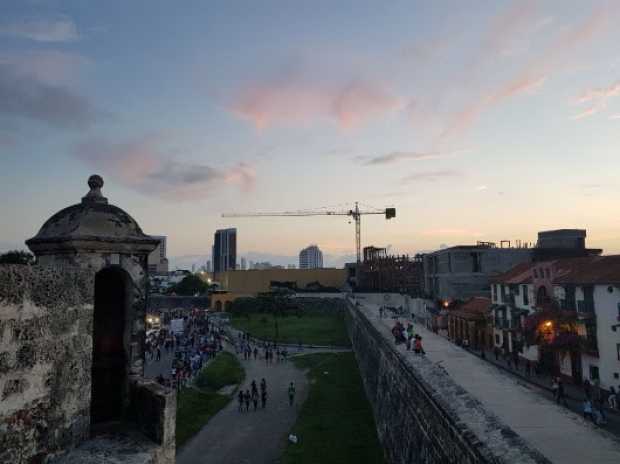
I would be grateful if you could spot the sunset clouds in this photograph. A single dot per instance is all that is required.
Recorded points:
(145, 165)
(290, 101)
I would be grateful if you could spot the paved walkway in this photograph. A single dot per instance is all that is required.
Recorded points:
(258, 437)
(559, 434)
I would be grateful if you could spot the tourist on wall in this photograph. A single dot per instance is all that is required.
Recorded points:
(241, 400)
(612, 398)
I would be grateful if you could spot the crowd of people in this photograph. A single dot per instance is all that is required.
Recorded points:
(199, 342)
(252, 396)
(267, 351)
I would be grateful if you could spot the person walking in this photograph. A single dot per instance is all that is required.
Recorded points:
(263, 398)
(561, 398)
(612, 398)
(158, 353)
(255, 399)
(263, 385)
(246, 399)
(255, 353)
(587, 388)
(554, 388)
(418, 345)
(241, 399)
(254, 387)
(587, 409)
(291, 394)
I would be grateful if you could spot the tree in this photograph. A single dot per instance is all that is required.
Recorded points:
(190, 285)
(17, 257)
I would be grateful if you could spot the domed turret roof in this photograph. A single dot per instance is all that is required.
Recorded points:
(91, 220)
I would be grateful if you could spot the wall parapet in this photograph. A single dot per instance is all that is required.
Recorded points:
(422, 414)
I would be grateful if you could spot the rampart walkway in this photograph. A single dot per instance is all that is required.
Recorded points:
(559, 434)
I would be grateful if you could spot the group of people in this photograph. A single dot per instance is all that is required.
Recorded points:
(269, 350)
(252, 396)
(594, 401)
(200, 341)
(407, 335)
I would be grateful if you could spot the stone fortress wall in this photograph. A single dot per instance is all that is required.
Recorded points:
(421, 414)
(45, 339)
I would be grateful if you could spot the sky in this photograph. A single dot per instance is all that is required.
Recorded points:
(476, 120)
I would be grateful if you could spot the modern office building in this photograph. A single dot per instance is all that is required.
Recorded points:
(157, 260)
(244, 264)
(225, 250)
(311, 258)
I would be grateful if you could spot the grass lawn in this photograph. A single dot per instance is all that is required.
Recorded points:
(335, 424)
(194, 409)
(224, 370)
(310, 329)
(195, 406)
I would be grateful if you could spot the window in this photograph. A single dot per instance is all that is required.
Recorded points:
(526, 297)
(497, 343)
(593, 372)
(535, 274)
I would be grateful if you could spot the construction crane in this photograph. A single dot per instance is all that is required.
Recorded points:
(355, 213)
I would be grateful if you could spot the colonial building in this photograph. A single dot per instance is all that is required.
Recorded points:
(563, 315)
(72, 331)
(468, 323)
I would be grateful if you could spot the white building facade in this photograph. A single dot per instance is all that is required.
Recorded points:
(311, 258)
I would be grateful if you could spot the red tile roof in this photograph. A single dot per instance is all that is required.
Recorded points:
(520, 274)
(589, 270)
(474, 308)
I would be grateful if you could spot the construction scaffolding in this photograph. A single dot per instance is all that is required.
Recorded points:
(380, 272)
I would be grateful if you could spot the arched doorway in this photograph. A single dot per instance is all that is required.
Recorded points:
(109, 358)
(218, 306)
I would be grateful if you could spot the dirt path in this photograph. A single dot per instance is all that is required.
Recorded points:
(258, 437)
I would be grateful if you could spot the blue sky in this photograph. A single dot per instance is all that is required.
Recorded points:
(481, 120)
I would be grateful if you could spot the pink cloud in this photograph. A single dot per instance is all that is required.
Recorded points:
(531, 76)
(598, 99)
(141, 165)
(297, 102)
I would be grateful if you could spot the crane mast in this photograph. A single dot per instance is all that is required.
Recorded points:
(356, 214)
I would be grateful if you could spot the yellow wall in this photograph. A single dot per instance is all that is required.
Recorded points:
(257, 281)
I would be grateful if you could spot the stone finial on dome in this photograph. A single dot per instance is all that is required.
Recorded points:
(95, 182)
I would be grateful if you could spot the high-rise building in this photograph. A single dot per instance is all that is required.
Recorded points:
(209, 267)
(311, 258)
(225, 250)
(244, 264)
(157, 260)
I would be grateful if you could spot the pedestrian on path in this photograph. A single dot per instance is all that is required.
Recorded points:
(255, 353)
(255, 399)
(561, 398)
(612, 398)
(253, 385)
(158, 353)
(587, 409)
(241, 399)
(263, 398)
(246, 399)
(263, 385)
(587, 388)
(554, 388)
(291, 394)
(418, 345)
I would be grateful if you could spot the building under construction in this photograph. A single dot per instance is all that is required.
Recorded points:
(380, 272)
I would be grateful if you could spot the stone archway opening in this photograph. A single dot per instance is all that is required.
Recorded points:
(109, 368)
(218, 306)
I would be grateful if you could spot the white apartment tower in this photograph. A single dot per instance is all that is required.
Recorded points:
(311, 258)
